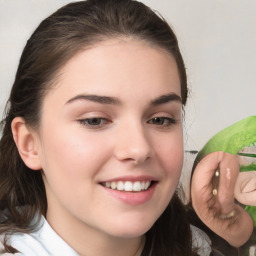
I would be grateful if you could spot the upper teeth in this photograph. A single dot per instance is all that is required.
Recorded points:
(128, 185)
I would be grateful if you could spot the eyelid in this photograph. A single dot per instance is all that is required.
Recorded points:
(167, 114)
(163, 121)
(85, 122)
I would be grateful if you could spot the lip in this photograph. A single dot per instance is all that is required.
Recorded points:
(132, 198)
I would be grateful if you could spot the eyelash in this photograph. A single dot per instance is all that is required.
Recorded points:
(164, 121)
(86, 122)
(99, 122)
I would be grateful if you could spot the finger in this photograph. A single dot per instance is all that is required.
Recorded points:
(236, 230)
(203, 200)
(203, 173)
(229, 170)
(245, 188)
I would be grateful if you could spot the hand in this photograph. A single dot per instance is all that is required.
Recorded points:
(212, 194)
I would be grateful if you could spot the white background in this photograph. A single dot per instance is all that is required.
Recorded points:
(217, 39)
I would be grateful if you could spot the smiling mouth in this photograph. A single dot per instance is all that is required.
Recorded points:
(128, 186)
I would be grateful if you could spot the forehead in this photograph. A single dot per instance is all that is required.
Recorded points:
(120, 64)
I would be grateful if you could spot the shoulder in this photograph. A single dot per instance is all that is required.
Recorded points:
(201, 241)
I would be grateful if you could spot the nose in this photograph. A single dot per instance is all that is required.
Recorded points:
(133, 144)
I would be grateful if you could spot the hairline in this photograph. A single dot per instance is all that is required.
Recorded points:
(101, 39)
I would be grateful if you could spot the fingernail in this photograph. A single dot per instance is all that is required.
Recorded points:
(228, 216)
(215, 192)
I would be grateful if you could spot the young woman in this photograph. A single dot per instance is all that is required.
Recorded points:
(92, 147)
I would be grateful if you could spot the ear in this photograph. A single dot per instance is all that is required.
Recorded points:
(26, 142)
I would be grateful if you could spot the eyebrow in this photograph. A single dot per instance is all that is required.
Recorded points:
(96, 98)
(106, 100)
(166, 98)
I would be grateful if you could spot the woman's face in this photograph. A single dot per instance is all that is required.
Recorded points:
(110, 140)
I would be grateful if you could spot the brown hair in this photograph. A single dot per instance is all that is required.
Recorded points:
(59, 37)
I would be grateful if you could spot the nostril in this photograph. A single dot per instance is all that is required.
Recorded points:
(134, 156)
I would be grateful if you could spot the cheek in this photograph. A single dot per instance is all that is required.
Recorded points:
(170, 158)
(170, 153)
(72, 155)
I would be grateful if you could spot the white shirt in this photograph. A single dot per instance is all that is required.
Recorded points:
(46, 242)
(43, 242)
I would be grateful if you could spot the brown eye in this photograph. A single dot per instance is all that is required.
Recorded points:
(158, 121)
(95, 122)
(162, 121)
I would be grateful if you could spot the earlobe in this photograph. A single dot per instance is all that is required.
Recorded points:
(25, 141)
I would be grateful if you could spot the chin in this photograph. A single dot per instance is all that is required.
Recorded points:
(132, 229)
